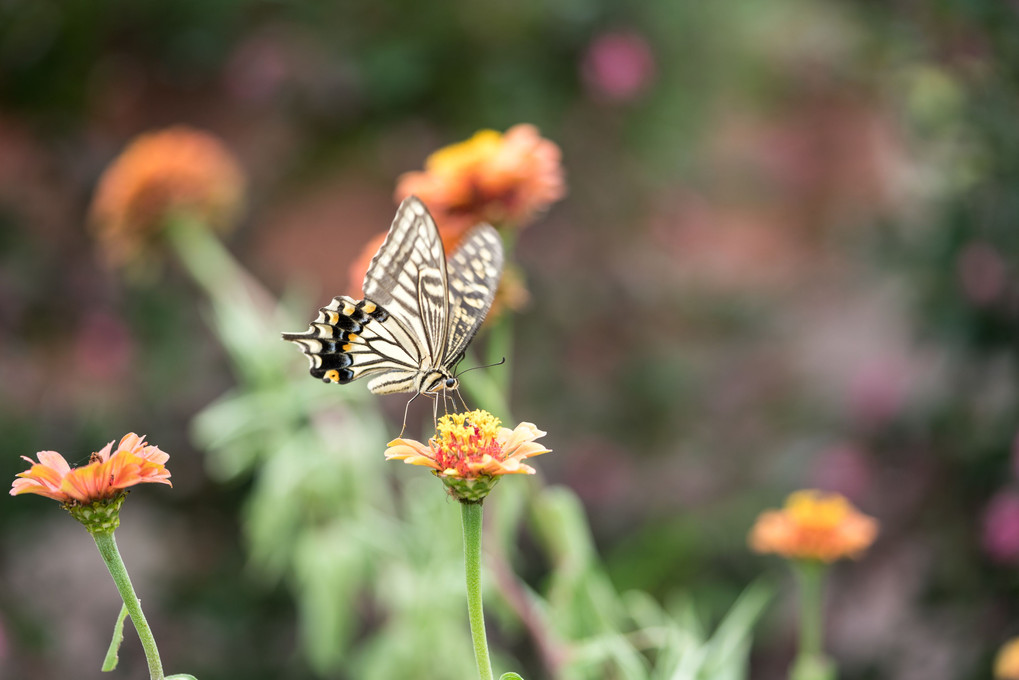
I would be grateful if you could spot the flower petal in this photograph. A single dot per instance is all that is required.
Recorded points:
(52, 459)
(402, 448)
(524, 432)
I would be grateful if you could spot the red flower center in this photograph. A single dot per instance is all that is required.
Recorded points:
(459, 446)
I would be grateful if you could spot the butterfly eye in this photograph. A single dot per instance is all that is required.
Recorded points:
(450, 383)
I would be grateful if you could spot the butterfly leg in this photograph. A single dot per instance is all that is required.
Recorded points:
(405, 410)
(462, 400)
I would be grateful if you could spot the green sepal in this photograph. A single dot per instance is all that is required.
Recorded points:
(99, 517)
(468, 490)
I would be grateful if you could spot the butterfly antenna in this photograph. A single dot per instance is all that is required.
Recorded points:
(500, 362)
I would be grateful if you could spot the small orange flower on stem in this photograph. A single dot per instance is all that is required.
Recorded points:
(471, 451)
(503, 179)
(178, 171)
(93, 493)
(107, 473)
(814, 525)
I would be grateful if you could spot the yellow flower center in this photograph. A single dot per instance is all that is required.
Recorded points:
(817, 510)
(465, 438)
(455, 157)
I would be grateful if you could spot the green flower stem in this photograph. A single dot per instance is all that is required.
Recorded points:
(107, 545)
(811, 607)
(214, 267)
(811, 662)
(471, 515)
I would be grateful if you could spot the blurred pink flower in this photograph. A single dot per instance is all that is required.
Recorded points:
(982, 273)
(843, 468)
(877, 391)
(257, 70)
(1001, 528)
(618, 66)
(103, 346)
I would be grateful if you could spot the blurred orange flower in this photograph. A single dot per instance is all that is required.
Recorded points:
(471, 451)
(814, 525)
(503, 179)
(1006, 664)
(104, 477)
(176, 171)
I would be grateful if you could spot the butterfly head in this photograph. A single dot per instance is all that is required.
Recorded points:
(436, 381)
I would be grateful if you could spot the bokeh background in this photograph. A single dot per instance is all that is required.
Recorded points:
(787, 259)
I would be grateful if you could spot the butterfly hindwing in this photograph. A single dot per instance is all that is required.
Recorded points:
(474, 272)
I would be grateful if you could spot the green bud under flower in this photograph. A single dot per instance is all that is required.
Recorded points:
(99, 517)
(468, 490)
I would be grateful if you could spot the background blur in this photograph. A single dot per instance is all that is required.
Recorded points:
(787, 259)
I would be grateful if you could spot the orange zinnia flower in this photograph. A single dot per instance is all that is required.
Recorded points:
(104, 477)
(1006, 664)
(471, 451)
(177, 171)
(814, 526)
(503, 179)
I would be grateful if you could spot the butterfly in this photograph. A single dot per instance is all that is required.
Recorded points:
(419, 312)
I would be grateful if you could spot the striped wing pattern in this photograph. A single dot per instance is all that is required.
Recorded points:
(474, 272)
(407, 276)
(418, 315)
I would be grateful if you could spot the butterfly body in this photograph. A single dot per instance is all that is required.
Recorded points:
(419, 312)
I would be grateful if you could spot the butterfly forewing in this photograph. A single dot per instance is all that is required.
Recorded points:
(407, 276)
(474, 271)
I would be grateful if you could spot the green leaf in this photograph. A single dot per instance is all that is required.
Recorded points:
(510, 676)
(181, 676)
(110, 662)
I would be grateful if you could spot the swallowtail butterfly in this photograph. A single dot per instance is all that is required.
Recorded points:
(419, 312)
